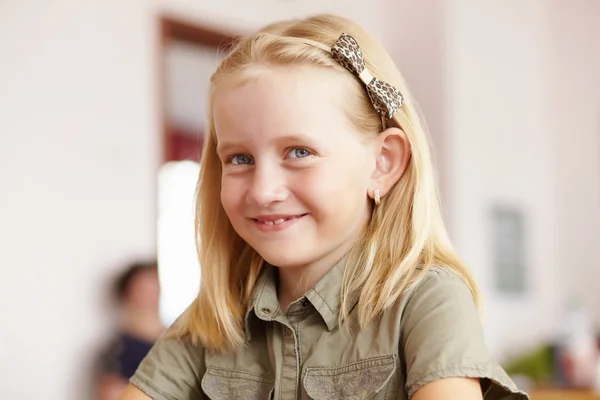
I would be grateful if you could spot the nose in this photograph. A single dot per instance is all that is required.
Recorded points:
(267, 185)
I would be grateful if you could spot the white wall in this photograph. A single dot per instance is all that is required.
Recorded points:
(575, 109)
(418, 45)
(77, 152)
(78, 156)
(500, 153)
(524, 110)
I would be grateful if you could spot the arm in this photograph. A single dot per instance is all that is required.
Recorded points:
(450, 389)
(133, 393)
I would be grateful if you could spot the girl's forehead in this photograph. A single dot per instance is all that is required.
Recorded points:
(306, 99)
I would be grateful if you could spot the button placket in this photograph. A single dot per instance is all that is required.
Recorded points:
(290, 366)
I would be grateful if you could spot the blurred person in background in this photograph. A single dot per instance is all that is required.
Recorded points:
(136, 292)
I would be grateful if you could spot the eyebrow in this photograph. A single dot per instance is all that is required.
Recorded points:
(226, 147)
(299, 139)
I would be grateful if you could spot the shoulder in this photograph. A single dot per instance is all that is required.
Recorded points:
(440, 275)
(437, 304)
(434, 287)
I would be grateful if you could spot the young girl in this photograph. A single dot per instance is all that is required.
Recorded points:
(327, 272)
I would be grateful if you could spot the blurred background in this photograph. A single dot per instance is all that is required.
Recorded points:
(102, 111)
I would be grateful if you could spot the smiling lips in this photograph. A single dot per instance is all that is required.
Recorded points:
(276, 222)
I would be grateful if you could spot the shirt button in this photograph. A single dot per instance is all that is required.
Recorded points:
(288, 332)
(265, 310)
(305, 303)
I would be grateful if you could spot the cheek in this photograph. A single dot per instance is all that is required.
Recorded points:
(334, 187)
(231, 195)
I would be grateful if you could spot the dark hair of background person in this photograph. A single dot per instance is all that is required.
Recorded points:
(123, 280)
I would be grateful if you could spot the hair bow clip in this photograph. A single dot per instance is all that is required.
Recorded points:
(385, 98)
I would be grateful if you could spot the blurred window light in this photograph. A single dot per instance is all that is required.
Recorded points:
(179, 270)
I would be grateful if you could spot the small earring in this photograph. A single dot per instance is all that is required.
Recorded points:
(376, 197)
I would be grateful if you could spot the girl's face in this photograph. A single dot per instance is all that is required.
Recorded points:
(295, 172)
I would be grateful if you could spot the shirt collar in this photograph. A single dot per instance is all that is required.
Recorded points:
(324, 296)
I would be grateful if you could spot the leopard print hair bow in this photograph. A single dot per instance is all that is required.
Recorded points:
(385, 98)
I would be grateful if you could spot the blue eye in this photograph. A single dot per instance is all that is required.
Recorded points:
(299, 152)
(241, 159)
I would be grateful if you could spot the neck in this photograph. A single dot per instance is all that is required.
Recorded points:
(295, 281)
(144, 325)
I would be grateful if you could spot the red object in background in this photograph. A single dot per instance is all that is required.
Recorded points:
(183, 145)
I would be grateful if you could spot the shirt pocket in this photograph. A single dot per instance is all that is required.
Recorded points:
(220, 384)
(364, 379)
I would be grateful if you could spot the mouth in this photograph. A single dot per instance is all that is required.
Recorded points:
(269, 222)
(276, 219)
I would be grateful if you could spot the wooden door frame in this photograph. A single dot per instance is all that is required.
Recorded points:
(173, 29)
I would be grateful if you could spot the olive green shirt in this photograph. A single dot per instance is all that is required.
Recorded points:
(430, 333)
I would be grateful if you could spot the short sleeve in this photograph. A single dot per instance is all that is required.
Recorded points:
(172, 370)
(442, 337)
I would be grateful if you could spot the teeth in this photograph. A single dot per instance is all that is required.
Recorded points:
(276, 222)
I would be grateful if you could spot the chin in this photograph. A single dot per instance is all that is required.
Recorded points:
(283, 258)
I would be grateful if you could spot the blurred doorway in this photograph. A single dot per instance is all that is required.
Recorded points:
(188, 55)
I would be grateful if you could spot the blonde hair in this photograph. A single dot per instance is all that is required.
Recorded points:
(404, 237)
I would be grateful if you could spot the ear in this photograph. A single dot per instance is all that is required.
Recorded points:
(392, 153)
